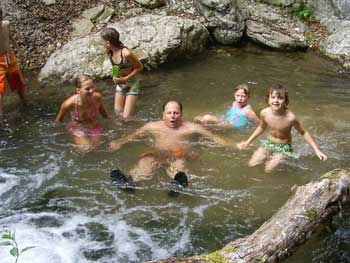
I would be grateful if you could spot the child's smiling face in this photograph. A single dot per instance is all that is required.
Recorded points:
(277, 101)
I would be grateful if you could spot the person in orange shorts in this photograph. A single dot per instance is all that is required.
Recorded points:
(9, 69)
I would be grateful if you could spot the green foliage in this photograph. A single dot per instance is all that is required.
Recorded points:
(301, 9)
(311, 215)
(10, 240)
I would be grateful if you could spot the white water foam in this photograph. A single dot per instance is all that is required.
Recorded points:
(19, 184)
(69, 239)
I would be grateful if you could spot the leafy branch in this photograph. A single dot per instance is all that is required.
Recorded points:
(301, 9)
(10, 240)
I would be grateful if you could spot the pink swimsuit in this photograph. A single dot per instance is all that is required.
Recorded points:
(84, 131)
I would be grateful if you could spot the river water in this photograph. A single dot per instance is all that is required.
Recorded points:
(63, 203)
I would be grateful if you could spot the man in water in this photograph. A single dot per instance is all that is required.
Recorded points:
(171, 147)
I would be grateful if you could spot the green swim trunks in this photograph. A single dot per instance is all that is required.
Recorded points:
(274, 147)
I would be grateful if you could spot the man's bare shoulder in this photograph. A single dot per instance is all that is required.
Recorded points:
(154, 125)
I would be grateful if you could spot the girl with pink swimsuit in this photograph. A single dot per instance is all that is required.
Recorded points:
(85, 106)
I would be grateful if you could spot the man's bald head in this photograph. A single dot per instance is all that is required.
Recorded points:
(172, 101)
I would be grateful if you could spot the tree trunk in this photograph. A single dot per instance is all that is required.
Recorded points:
(290, 227)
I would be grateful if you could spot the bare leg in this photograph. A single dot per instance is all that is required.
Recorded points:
(274, 162)
(22, 96)
(130, 106)
(83, 144)
(95, 141)
(119, 101)
(258, 157)
(174, 166)
(145, 168)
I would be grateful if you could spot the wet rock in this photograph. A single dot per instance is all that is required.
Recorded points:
(48, 221)
(93, 13)
(154, 39)
(49, 2)
(327, 8)
(105, 16)
(223, 19)
(151, 3)
(337, 45)
(82, 27)
(274, 27)
(279, 2)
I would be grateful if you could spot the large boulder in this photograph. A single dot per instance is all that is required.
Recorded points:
(151, 4)
(154, 39)
(223, 19)
(337, 44)
(274, 27)
(326, 8)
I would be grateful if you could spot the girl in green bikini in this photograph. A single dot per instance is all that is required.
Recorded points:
(279, 121)
(129, 66)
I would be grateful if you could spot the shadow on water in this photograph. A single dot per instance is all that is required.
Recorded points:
(63, 202)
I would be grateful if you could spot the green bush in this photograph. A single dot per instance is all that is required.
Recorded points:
(301, 9)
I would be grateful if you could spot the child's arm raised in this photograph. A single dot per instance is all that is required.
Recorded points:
(308, 138)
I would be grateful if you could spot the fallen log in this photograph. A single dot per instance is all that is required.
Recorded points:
(310, 206)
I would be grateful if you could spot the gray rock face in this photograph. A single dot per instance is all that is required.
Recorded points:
(326, 8)
(151, 4)
(224, 19)
(337, 45)
(279, 2)
(82, 27)
(154, 39)
(273, 27)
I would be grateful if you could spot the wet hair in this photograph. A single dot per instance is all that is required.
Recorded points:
(243, 87)
(178, 103)
(281, 91)
(111, 35)
(80, 79)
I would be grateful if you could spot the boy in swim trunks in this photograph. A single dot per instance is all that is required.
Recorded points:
(280, 121)
(9, 69)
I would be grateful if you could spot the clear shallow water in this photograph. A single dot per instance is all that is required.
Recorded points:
(63, 203)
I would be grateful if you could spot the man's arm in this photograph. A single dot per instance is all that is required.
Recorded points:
(117, 144)
(216, 139)
(308, 138)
